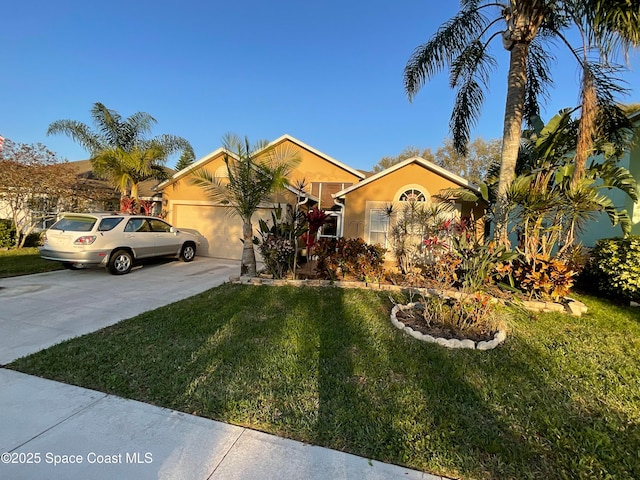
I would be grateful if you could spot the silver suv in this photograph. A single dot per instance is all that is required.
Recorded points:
(114, 241)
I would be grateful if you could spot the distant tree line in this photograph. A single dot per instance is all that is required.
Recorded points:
(473, 166)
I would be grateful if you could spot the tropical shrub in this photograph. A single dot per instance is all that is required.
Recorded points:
(443, 273)
(543, 277)
(146, 206)
(315, 219)
(277, 253)
(349, 257)
(277, 243)
(614, 268)
(418, 233)
(128, 204)
(478, 262)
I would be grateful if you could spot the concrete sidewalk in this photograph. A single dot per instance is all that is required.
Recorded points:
(51, 424)
(45, 425)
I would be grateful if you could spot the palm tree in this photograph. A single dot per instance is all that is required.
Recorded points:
(120, 148)
(462, 44)
(606, 26)
(547, 205)
(254, 173)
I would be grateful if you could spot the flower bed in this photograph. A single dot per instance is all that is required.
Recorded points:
(499, 337)
(570, 306)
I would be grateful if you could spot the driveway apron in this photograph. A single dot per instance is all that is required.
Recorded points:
(38, 311)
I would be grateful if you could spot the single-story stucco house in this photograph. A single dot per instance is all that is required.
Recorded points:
(353, 199)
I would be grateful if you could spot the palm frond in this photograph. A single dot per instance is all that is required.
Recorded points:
(79, 132)
(466, 111)
(109, 125)
(141, 122)
(615, 24)
(213, 186)
(538, 80)
(448, 42)
(473, 62)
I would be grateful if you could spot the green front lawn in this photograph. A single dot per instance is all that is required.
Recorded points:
(24, 261)
(560, 399)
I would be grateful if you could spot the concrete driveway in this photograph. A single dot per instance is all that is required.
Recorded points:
(37, 311)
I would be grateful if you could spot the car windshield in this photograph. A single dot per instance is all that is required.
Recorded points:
(75, 224)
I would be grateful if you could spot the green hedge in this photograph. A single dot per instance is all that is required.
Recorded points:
(7, 234)
(613, 269)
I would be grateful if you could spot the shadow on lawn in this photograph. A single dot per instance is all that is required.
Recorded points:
(328, 368)
(333, 371)
(507, 413)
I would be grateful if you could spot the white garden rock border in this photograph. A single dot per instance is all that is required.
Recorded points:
(498, 338)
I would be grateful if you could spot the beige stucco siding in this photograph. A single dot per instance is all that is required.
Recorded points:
(313, 168)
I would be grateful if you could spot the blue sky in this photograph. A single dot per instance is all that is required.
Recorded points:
(328, 73)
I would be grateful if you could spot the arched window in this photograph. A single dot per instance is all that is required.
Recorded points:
(412, 195)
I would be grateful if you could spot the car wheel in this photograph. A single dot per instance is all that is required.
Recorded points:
(188, 252)
(120, 262)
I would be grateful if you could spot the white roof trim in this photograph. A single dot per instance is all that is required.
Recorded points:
(194, 166)
(418, 160)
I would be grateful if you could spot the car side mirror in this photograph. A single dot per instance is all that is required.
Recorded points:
(173, 230)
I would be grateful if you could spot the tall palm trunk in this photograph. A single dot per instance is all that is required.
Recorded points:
(586, 127)
(516, 82)
(248, 266)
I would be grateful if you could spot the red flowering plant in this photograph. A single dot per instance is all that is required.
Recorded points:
(316, 218)
(127, 205)
(146, 206)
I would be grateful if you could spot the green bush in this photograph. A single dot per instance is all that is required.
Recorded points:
(34, 239)
(613, 269)
(7, 234)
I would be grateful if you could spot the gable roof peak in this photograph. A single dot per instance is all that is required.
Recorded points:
(301, 144)
(463, 182)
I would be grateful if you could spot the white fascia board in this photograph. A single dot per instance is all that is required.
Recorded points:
(194, 166)
(418, 160)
